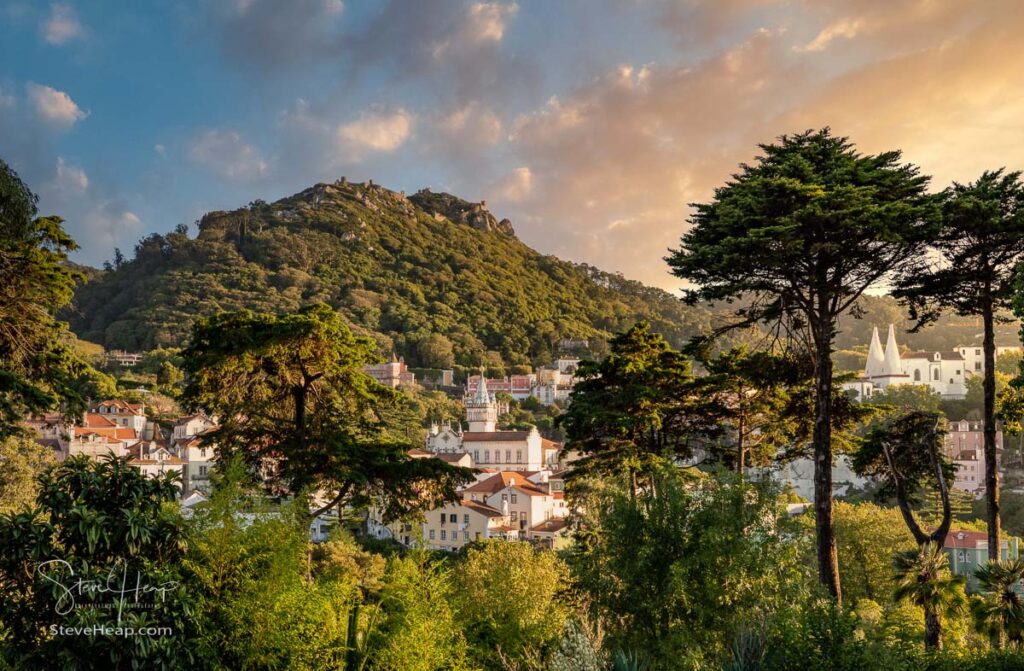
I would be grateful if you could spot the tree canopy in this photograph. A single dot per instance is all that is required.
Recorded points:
(798, 236)
(294, 401)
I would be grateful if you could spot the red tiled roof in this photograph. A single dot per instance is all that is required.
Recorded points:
(94, 419)
(487, 436)
(504, 479)
(481, 508)
(967, 539)
(551, 526)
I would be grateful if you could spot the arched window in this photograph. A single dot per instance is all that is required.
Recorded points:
(917, 375)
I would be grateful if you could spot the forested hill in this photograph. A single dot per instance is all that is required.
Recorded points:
(432, 277)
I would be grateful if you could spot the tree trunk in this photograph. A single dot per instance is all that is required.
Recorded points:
(932, 630)
(741, 447)
(828, 558)
(991, 467)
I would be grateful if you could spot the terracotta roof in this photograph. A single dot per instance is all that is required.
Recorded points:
(504, 479)
(417, 453)
(481, 508)
(550, 444)
(967, 455)
(94, 419)
(551, 526)
(451, 457)
(134, 408)
(486, 436)
(946, 356)
(966, 539)
(115, 432)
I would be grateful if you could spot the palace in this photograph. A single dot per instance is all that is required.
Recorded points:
(486, 445)
(944, 372)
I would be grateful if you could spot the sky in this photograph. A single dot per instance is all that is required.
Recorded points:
(591, 124)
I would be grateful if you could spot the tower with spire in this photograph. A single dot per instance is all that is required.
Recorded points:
(482, 410)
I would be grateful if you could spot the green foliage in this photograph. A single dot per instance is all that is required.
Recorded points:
(508, 597)
(391, 268)
(998, 609)
(38, 365)
(867, 536)
(677, 569)
(418, 631)
(248, 563)
(908, 397)
(97, 524)
(638, 405)
(23, 460)
(291, 389)
(797, 237)
(923, 579)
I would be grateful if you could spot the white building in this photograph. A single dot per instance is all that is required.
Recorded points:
(132, 415)
(486, 445)
(943, 372)
(974, 357)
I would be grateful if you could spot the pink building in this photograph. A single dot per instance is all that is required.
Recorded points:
(965, 444)
(392, 374)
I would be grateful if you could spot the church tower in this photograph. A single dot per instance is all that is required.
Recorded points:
(481, 410)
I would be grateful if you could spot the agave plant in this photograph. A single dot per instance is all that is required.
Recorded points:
(999, 609)
(923, 578)
(629, 660)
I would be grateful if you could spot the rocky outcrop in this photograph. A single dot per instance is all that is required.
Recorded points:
(461, 211)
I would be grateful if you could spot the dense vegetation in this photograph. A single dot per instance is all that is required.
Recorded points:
(435, 289)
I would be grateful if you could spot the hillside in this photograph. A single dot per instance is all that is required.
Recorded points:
(433, 277)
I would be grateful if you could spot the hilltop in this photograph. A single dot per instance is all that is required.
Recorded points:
(431, 276)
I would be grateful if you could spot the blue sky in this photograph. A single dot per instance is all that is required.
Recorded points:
(590, 123)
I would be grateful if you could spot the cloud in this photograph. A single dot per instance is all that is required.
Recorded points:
(515, 187)
(227, 154)
(471, 126)
(375, 130)
(268, 36)
(844, 28)
(70, 177)
(53, 106)
(62, 25)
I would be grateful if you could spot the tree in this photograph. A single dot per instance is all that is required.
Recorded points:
(980, 244)
(507, 599)
(248, 564)
(752, 393)
(677, 569)
(798, 237)
(418, 630)
(294, 401)
(923, 579)
(436, 351)
(998, 609)
(98, 528)
(867, 535)
(37, 365)
(905, 451)
(907, 397)
(23, 460)
(635, 407)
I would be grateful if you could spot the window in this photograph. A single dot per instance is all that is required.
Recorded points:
(487, 456)
(442, 518)
(935, 374)
(514, 497)
(977, 352)
(202, 470)
(476, 456)
(508, 456)
(465, 535)
(977, 365)
(202, 452)
(504, 497)
(444, 535)
(453, 518)
(519, 456)
(431, 534)
(515, 516)
(917, 375)
(465, 520)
